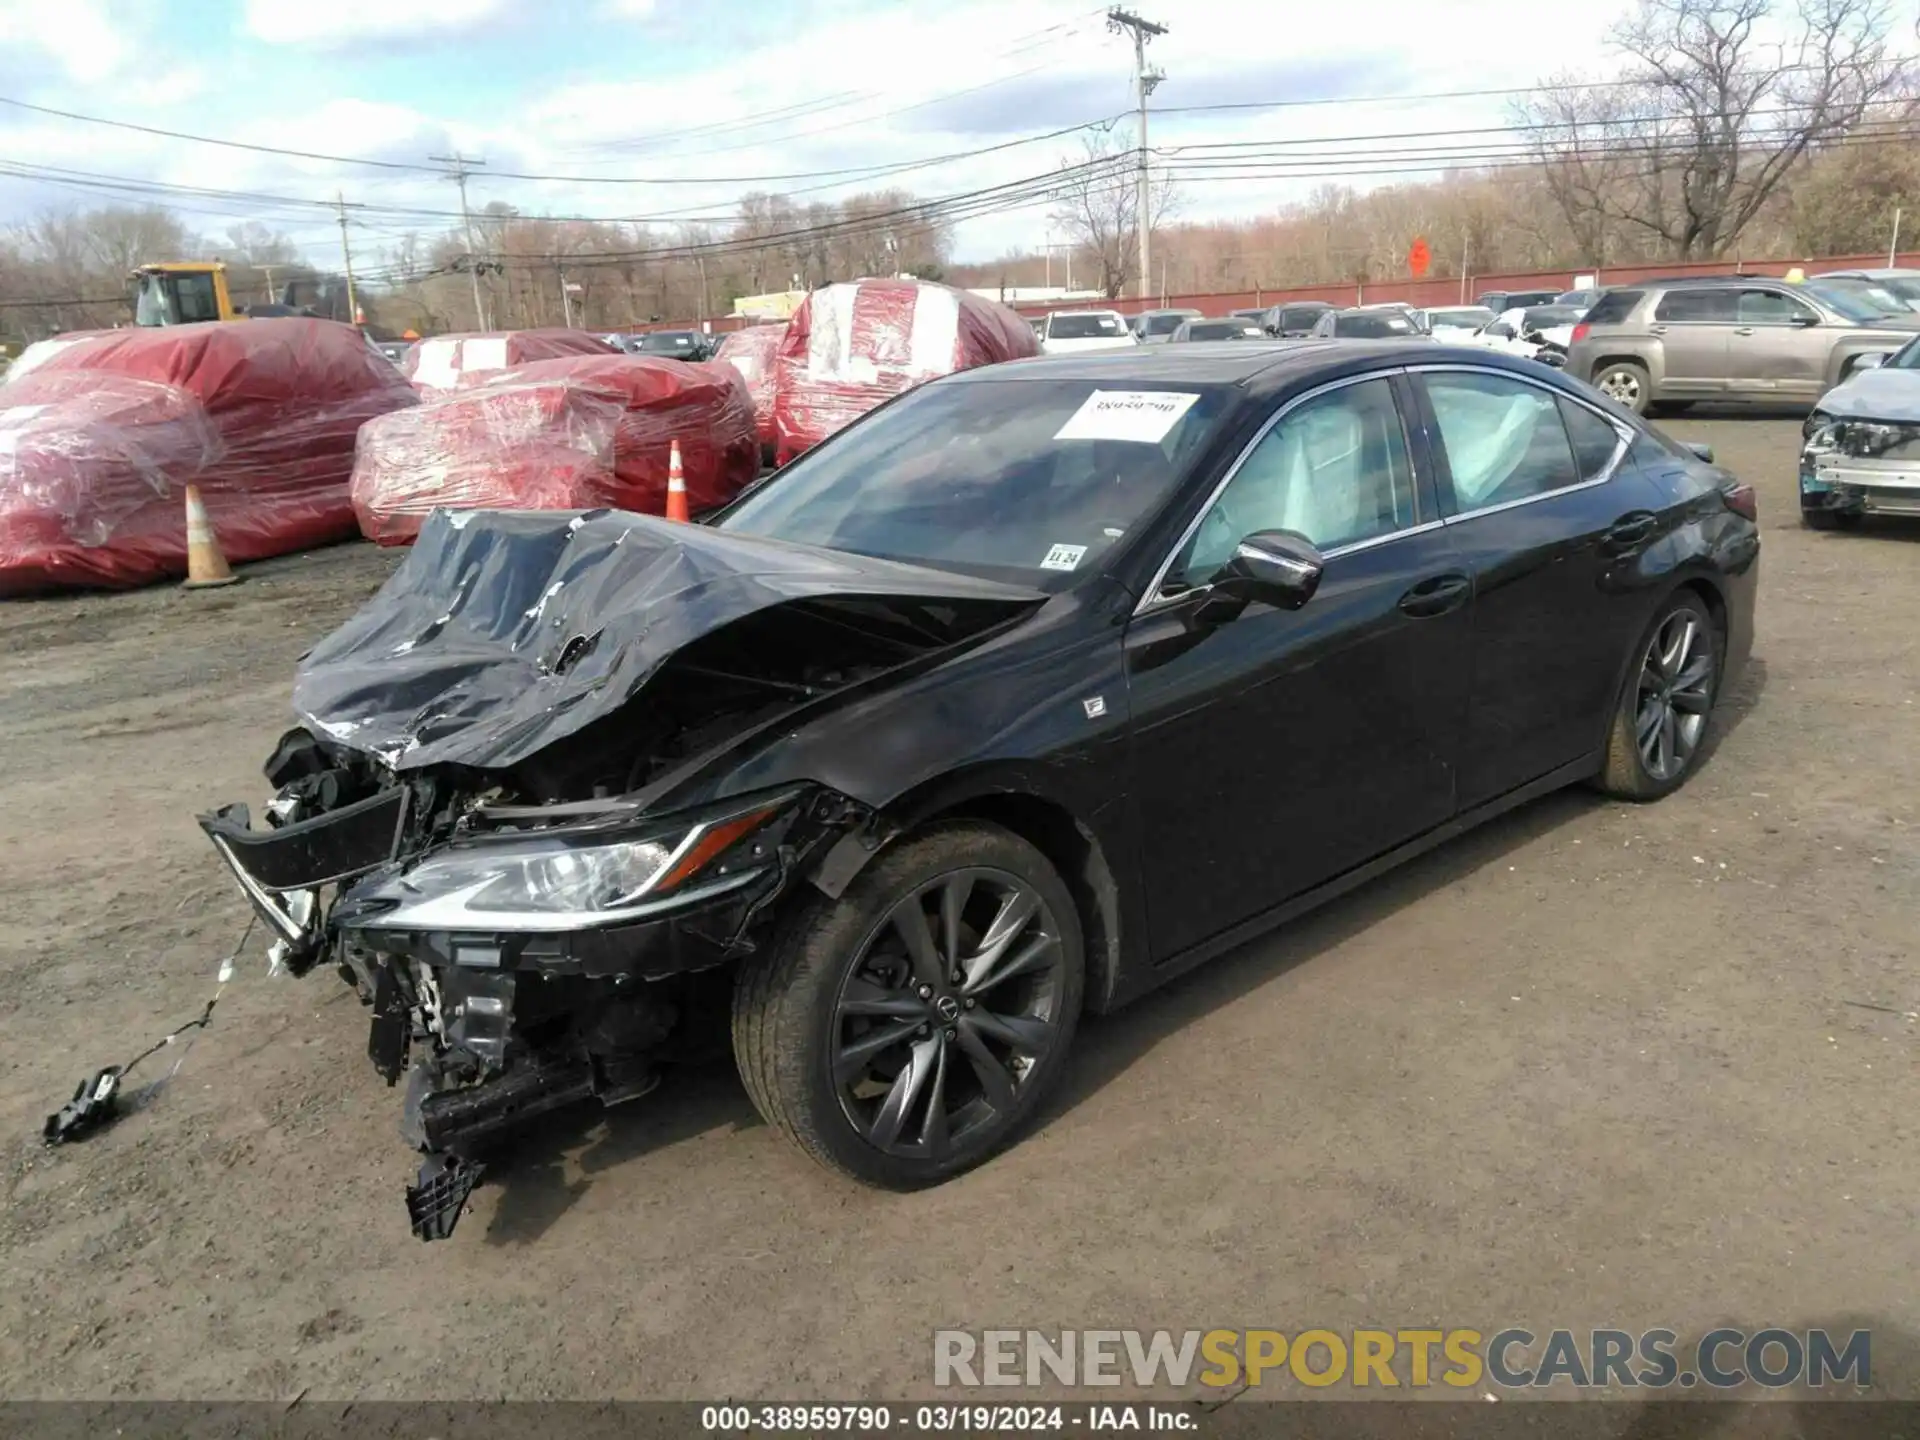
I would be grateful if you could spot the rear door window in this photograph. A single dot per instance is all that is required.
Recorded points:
(1696, 307)
(1504, 439)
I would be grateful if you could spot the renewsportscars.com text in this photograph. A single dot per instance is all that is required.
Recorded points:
(1512, 1358)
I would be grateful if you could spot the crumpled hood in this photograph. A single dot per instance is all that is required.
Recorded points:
(504, 631)
(1878, 394)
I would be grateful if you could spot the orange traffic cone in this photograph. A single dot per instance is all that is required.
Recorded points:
(676, 485)
(206, 566)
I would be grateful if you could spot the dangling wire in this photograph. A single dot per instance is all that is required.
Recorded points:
(95, 1103)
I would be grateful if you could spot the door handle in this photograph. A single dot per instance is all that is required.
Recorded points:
(1634, 528)
(1656, 329)
(1743, 330)
(1436, 595)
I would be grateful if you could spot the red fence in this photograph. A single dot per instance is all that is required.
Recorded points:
(1416, 292)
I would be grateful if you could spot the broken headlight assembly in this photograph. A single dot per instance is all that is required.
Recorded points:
(536, 883)
(1866, 438)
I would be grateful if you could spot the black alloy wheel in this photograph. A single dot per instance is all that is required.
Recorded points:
(907, 1031)
(1661, 722)
(947, 1012)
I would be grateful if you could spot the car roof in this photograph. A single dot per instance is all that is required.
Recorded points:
(1883, 273)
(1053, 313)
(1205, 362)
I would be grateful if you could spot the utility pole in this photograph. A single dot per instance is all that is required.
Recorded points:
(459, 168)
(1145, 81)
(566, 300)
(346, 254)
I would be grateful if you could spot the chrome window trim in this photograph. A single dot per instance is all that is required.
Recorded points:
(1623, 433)
(1153, 600)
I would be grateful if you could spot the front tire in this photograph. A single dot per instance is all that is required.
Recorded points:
(1660, 721)
(1626, 381)
(1830, 519)
(908, 1031)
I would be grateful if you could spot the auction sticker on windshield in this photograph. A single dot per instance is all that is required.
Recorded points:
(1064, 557)
(1144, 416)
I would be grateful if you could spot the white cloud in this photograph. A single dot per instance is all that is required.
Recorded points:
(78, 35)
(629, 9)
(346, 22)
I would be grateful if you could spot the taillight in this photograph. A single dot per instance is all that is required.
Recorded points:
(1742, 501)
(1581, 331)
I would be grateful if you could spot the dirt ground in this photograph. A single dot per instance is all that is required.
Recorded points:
(1593, 1065)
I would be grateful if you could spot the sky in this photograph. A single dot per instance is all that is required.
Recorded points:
(671, 109)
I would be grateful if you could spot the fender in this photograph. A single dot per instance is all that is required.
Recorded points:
(1091, 841)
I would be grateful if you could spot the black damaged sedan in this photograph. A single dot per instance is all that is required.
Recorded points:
(1030, 690)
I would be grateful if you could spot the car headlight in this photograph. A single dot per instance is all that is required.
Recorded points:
(557, 882)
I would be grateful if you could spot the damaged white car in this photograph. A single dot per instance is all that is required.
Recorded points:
(1861, 450)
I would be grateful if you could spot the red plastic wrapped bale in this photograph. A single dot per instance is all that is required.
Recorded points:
(447, 362)
(752, 352)
(579, 434)
(851, 346)
(260, 415)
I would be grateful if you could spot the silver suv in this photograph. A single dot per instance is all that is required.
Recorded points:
(1667, 341)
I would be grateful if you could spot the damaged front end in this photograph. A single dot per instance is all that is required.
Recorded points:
(1860, 466)
(520, 861)
(515, 958)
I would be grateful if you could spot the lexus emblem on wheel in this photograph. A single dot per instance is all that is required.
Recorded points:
(948, 1007)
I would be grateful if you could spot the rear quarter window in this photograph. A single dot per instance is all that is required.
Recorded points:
(1613, 307)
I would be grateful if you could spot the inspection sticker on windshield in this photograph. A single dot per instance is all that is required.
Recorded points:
(1063, 557)
(1141, 415)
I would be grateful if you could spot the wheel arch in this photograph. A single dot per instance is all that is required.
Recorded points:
(1010, 799)
(1624, 357)
(1704, 585)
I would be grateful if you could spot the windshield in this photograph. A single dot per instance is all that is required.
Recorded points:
(1163, 324)
(667, 341)
(1025, 480)
(1461, 317)
(1085, 327)
(1843, 298)
(1906, 287)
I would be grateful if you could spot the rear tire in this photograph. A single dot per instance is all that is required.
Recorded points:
(843, 976)
(1662, 717)
(1627, 382)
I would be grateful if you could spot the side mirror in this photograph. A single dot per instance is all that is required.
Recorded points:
(1699, 450)
(1499, 331)
(1870, 362)
(1804, 320)
(1280, 568)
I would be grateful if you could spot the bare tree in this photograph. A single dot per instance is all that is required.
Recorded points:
(1095, 205)
(1713, 119)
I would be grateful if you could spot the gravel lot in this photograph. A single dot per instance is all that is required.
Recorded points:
(1593, 1065)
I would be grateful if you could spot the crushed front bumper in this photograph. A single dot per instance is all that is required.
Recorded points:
(1884, 484)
